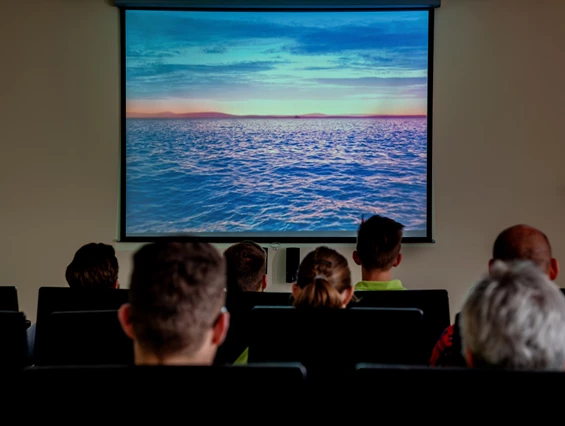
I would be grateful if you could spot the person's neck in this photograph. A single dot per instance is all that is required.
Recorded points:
(146, 358)
(376, 275)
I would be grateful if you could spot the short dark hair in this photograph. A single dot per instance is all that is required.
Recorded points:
(245, 266)
(378, 242)
(177, 291)
(93, 266)
(523, 242)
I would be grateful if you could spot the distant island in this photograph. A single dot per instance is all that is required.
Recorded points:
(195, 115)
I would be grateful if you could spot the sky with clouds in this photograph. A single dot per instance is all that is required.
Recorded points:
(277, 63)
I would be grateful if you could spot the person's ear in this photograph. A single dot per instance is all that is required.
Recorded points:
(553, 269)
(117, 284)
(347, 295)
(356, 258)
(264, 283)
(398, 260)
(490, 263)
(469, 359)
(295, 290)
(124, 316)
(221, 328)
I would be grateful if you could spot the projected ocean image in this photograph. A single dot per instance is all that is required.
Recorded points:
(275, 122)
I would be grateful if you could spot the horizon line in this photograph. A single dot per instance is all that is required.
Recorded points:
(213, 114)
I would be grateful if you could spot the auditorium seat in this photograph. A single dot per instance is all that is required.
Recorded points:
(329, 342)
(190, 394)
(433, 303)
(9, 299)
(239, 306)
(64, 299)
(336, 338)
(85, 338)
(428, 394)
(13, 341)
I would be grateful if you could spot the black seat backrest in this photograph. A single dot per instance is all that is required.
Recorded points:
(473, 394)
(433, 303)
(248, 394)
(13, 341)
(64, 299)
(9, 299)
(239, 306)
(336, 338)
(85, 338)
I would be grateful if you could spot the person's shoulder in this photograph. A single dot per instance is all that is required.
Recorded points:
(397, 284)
(31, 329)
(379, 285)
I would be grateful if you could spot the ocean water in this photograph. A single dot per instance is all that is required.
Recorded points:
(231, 175)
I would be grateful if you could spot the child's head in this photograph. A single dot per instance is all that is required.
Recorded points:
(324, 280)
(246, 267)
(94, 266)
(378, 243)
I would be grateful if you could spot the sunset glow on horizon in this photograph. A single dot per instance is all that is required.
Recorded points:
(258, 108)
(277, 63)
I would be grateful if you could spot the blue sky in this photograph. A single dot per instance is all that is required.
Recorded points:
(285, 63)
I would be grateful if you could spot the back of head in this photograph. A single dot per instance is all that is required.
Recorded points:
(322, 276)
(522, 242)
(378, 242)
(515, 318)
(176, 295)
(93, 266)
(245, 266)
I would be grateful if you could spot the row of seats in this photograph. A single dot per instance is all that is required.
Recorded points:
(263, 393)
(80, 326)
(282, 334)
(433, 304)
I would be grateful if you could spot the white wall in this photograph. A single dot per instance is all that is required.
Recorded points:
(498, 141)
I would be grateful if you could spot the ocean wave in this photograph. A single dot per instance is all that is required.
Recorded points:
(273, 175)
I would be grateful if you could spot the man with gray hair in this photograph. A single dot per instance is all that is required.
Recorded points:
(514, 318)
(516, 243)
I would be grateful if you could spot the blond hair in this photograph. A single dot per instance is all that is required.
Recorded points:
(322, 276)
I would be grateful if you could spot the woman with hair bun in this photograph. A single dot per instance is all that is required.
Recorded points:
(323, 281)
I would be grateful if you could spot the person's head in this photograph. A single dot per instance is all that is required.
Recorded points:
(378, 244)
(93, 266)
(176, 311)
(523, 242)
(323, 280)
(246, 267)
(514, 318)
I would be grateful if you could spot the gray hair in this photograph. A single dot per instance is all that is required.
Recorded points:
(515, 318)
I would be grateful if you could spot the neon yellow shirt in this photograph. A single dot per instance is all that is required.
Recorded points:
(379, 285)
(243, 358)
